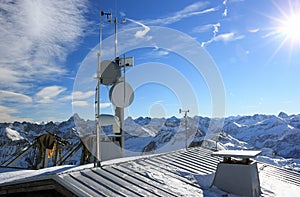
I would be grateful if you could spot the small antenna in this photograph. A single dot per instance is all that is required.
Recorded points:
(185, 120)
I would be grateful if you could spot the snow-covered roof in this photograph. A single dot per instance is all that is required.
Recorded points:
(180, 173)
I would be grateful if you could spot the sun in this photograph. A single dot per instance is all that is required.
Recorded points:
(290, 28)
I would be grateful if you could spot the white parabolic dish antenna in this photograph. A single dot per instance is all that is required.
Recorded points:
(121, 94)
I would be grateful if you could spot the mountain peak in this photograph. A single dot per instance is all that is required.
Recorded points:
(283, 115)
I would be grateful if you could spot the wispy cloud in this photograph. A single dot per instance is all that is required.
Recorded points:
(253, 30)
(226, 9)
(85, 103)
(226, 37)
(225, 12)
(270, 34)
(36, 37)
(216, 28)
(7, 114)
(194, 9)
(197, 8)
(141, 33)
(105, 105)
(78, 95)
(207, 27)
(80, 103)
(48, 94)
(8, 96)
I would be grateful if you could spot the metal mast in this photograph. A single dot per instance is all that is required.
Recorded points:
(185, 123)
(98, 130)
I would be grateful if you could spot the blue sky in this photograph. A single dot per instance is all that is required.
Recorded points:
(47, 47)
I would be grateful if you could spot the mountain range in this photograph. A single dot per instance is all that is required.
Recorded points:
(277, 136)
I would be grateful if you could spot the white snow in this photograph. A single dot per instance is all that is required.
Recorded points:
(13, 134)
(10, 174)
(269, 185)
(274, 187)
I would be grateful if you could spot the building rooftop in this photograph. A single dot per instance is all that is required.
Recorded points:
(179, 173)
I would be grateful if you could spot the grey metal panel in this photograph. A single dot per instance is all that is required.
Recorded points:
(145, 183)
(178, 164)
(98, 176)
(191, 163)
(173, 174)
(201, 161)
(203, 155)
(78, 187)
(126, 187)
(155, 184)
(281, 174)
(236, 153)
(129, 180)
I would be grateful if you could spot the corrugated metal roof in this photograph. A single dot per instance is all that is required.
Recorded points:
(147, 176)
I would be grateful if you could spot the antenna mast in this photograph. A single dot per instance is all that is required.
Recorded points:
(98, 130)
(109, 74)
(185, 123)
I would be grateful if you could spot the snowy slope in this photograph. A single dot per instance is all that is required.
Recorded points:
(13, 135)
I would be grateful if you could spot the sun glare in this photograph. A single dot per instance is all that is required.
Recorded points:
(290, 28)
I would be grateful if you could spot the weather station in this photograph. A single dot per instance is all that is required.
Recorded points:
(112, 73)
(185, 124)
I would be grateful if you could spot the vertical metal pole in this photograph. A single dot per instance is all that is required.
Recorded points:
(185, 121)
(124, 73)
(98, 130)
(185, 117)
(116, 39)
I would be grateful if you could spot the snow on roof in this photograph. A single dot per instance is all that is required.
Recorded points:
(180, 173)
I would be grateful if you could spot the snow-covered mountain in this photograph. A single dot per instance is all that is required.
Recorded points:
(277, 136)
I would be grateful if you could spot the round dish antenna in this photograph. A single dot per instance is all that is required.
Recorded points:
(121, 94)
(110, 72)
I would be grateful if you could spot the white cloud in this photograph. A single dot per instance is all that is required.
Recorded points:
(208, 27)
(48, 94)
(7, 115)
(80, 103)
(216, 28)
(163, 52)
(226, 37)
(8, 110)
(105, 105)
(7, 96)
(225, 12)
(194, 9)
(254, 30)
(141, 33)
(77, 95)
(85, 103)
(272, 33)
(191, 10)
(36, 37)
